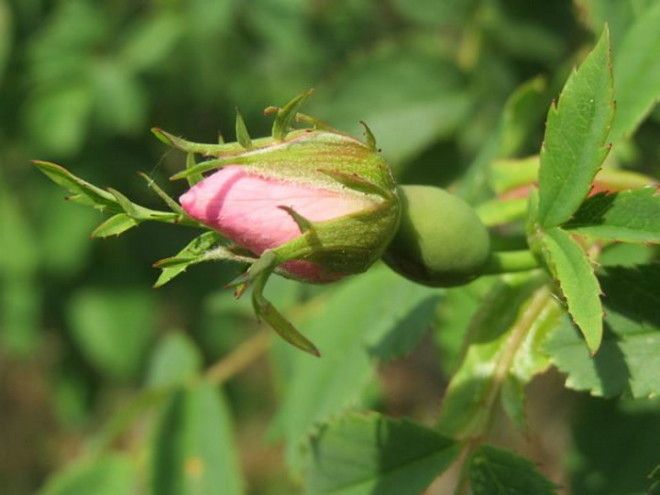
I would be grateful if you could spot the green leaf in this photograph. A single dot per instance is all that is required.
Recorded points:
(628, 216)
(575, 137)
(627, 361)
(112, 329)
(175, 361)
(367, 317)
(495, 472)
(573, 271)
(503, 341)
(187, 256)
(112, 474)
(369, 454)
(115, 225)
(193, 449)
(284, 117)
(637, 73)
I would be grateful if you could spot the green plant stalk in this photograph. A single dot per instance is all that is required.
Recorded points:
(537, 305)
(510, 262)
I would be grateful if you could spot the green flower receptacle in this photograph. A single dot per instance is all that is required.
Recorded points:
(441, 242)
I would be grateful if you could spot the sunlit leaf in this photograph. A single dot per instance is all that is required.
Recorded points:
(575, 138)
(573, 271)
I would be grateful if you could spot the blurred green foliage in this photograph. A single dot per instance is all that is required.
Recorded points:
(83, 336)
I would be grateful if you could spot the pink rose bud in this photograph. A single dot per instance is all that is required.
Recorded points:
(312, 204)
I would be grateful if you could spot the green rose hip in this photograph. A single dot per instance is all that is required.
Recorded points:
(440, 241)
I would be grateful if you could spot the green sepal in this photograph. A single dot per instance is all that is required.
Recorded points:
(318, 124)
(167, 199)
(257, 276)
(286, 114)
(203, 148)
(303, 224)
(190, 163)
(205, 247)
(354, 181)
(371, 139)
(242, 134)
(205, 166)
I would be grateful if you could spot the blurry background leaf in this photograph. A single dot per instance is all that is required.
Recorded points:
(113, 474)
(112, 329)
(120, 103)
(58, 119)
(175, 361)
(20, 296)
(637, 73)
(431, 13)
(523, 109)
(408, 96)
(149, 42)
(64, 233)
(193, 451)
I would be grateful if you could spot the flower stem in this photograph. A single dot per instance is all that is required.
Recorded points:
(510, 261)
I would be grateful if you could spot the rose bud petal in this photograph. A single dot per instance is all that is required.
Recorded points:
(246, 208)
